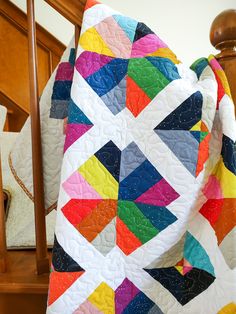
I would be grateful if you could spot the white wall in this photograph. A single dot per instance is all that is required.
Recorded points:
(183, 24)
(50, 19)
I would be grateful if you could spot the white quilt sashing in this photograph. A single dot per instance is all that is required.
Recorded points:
(146, 217)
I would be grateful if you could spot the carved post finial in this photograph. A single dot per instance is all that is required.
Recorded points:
(223, 33)
(223, 38)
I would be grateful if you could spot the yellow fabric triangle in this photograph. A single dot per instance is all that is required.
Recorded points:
(197, 126)
(227, 180)
(98, 176)
(103, 298)
(92, 41)
(165, 53)
(180, 269)
(223, 79)
(228, 309)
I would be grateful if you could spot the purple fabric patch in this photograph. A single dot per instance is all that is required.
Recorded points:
(124, 294)
(64, 72)
(160, 194)
(74, 132)
(90, 62)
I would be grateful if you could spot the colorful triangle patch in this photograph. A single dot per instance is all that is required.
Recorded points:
(60, 282)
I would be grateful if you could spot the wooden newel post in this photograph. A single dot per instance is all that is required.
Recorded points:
(223, 38)
(40, 223)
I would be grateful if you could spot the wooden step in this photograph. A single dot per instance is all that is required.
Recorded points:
(21, 275)
(23, 303)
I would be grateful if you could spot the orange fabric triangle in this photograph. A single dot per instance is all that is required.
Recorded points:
(186, 263)
(203, 153)
(92, 224)
(125, 239)
(90, 4)
(60, 282)
(227, 220)
(204, 127)
(136, 99)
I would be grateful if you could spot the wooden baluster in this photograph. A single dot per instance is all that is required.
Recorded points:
(42, 261)
(223, 38)
(77, 33)
(3, 246)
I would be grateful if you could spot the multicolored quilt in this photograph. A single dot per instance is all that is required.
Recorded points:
(146, 218)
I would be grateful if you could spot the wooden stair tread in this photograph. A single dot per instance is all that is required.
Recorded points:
(21, 274)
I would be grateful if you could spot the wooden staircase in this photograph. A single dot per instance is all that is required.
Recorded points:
(22, 289)
(14, 68)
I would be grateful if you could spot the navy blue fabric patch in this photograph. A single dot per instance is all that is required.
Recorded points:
(183, 287)
(141, 304)
(110, 155)
(139, 181)
(61, 261)
(141, 31)
(228, 153)
(61, 90)
(185, 116)
(108, 76)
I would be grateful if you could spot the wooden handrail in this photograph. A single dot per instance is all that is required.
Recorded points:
(72, 10)
(5, 100)
(223, 38)
(42, 261)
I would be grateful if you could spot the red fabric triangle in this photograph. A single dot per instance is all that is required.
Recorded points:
(180, 263)
(211, 210)
(60, 282)
(76, 210)
(125, 239)
(90, 4)
(136, 99)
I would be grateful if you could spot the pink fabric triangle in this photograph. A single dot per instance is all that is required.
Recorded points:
(160, 194)
(77, 187)
(74, 132)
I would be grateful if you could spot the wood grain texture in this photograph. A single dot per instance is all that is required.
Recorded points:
(23, 304)
(16, 115)
(223, 38)
(14, 79)
(42, 263)
(21, 276)
(72, 10)
(3, 245)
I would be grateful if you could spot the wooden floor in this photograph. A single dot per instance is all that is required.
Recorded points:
(21, 289)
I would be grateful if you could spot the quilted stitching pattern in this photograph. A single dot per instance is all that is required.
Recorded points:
(118, 194)
(146, 206)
